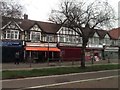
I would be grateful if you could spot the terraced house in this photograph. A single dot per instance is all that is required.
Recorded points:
(42, 41)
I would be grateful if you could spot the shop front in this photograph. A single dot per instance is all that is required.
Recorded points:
(70, 53)
(41, 52)
(9, 48)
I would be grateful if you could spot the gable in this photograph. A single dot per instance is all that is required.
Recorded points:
(95, 35)
(12, 25)
(68, 31)
(35, 28)
(107, 36)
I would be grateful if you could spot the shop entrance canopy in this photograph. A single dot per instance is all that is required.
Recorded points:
(41, 49)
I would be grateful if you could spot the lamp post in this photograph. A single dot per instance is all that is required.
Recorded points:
(92, 56)
(60, 54)
(103, 51)
(48, 50)
(24, 53)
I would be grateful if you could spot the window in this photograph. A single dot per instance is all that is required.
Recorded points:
(11, 34)
(101, 41)
(80, 39)
(68, 35)
(67, 38)
(61, 38)
(35, 36)
(96, 40)
(107, 41)
(50, 38)
(118, 41)
(70, 39)
(92, 41)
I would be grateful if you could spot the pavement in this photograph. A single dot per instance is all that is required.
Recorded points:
(23, 66)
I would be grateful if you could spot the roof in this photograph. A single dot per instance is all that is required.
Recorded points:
(26, 24)
(101, 33)
(87, 32)
(49, 27)
(52, 28)
(115, 33)
(6, 20)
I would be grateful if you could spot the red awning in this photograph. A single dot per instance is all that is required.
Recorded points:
(41, 49)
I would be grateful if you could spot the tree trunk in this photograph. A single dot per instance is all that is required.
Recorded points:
(83, 57)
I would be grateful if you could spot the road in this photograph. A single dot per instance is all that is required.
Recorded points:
(67, 80)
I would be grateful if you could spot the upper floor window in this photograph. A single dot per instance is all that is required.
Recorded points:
(35, 33)
(50, 38)
(11, 34)
(35, 36)
(68, 35)
(94, 40)
(107, 41)
(118, 41)
(61, 38)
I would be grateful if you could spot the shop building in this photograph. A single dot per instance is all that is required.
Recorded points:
(42, 41)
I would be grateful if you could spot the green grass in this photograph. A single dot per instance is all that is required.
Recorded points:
(55, 71)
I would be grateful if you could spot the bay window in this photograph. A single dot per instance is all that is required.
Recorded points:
(11, 34)
(35, 36)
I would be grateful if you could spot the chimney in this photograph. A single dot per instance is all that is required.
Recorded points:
(25, 16)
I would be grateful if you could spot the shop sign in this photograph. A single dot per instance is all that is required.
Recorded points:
(11, 43)
(41, 44)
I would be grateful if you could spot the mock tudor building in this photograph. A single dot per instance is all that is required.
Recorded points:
(12, 38)
(38, 41)
(115, 44)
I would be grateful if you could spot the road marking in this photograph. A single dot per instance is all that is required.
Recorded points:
(79, 81)
(59, 75)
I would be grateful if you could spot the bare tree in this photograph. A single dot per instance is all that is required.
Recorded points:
(11, 8)
(85, 16)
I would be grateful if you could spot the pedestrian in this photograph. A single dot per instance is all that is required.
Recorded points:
(17, 57)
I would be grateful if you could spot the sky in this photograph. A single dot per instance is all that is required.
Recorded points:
(40, 9)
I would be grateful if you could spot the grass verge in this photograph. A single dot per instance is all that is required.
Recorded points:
(55, 71)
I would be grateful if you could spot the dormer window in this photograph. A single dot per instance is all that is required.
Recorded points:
(11, 34)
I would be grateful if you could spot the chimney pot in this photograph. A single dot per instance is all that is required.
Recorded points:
(25, 16)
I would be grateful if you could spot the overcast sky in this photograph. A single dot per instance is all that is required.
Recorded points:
(40, 9)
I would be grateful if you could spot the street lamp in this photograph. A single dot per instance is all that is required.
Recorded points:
(48, 50)
(103, 51)
(92, 56)
(24, 53)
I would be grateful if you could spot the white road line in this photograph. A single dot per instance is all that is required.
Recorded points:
(50, 85)
(59, 75)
